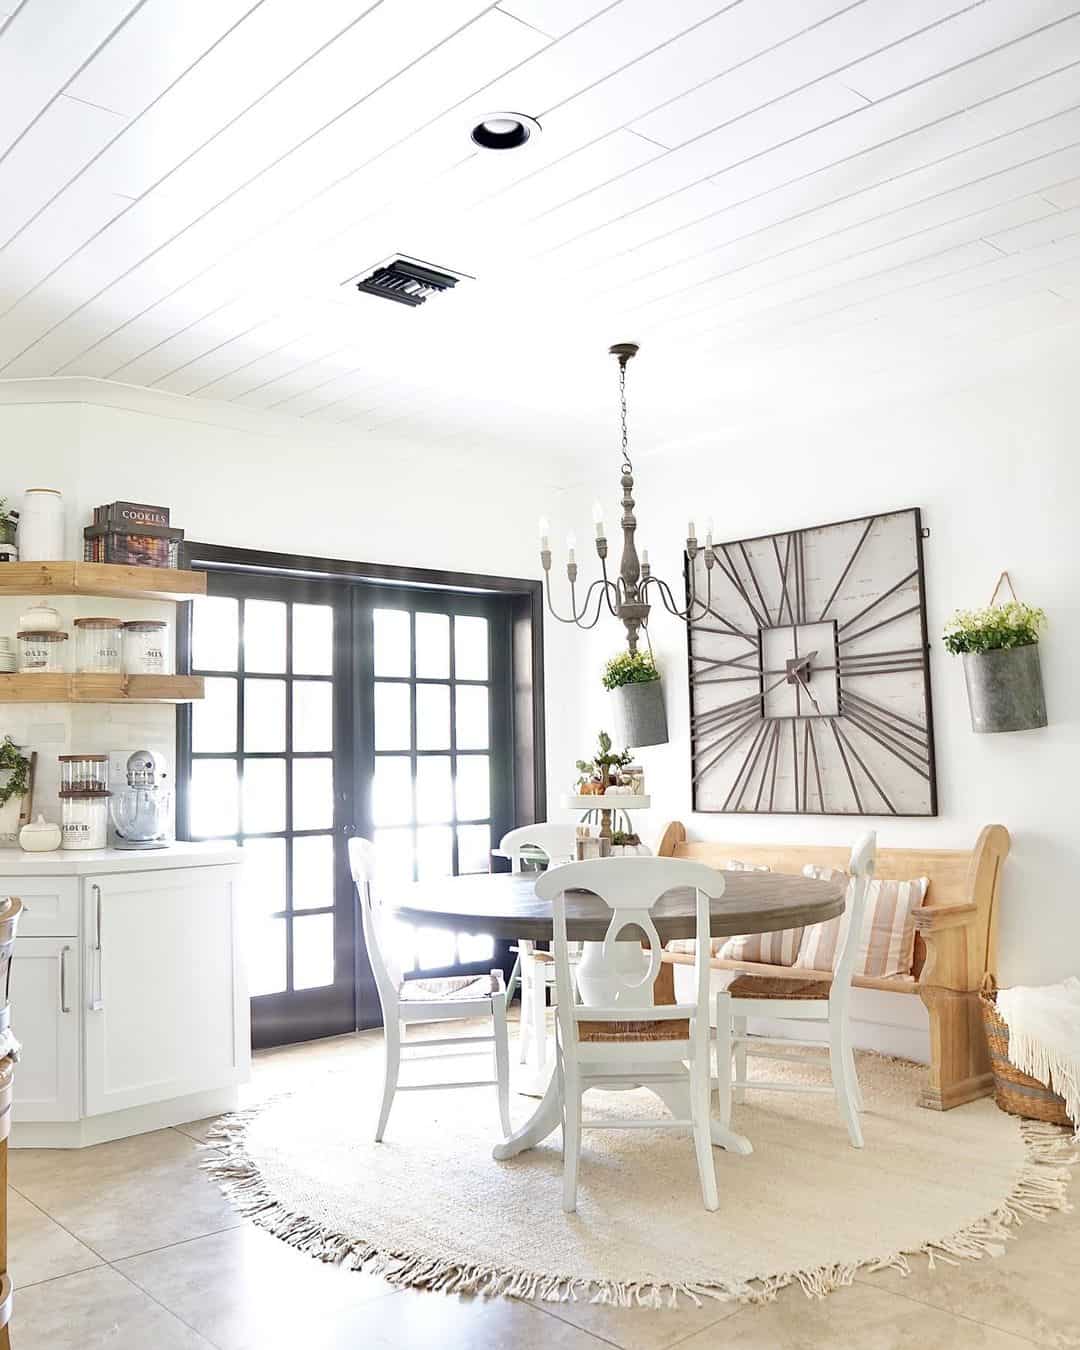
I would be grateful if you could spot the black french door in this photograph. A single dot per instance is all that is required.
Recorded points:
(332, 708)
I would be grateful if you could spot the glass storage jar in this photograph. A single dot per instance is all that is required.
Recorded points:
(41, 653)
(145, 647)
(84, 773)
(97, 646)
(84, 819)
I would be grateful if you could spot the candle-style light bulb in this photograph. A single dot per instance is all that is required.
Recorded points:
(691, 533)
(598, 519)
(644, 557)
(571, 544)
(545, 531)
(708, 533)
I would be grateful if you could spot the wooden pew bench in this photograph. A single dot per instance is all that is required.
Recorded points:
(955, 943)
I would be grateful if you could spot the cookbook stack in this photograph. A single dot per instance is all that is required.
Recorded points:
(133, 534)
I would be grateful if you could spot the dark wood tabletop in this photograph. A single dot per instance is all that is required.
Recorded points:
(506, 906)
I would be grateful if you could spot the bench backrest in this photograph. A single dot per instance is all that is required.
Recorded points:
(957, 876)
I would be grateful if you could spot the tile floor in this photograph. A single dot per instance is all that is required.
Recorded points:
(127, 1246)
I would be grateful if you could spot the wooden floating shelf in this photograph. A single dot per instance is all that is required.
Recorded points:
(109, 580)
(39, 687)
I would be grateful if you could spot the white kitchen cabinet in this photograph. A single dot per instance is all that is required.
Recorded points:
(45, 990)
(163, 1010)
(151, 1027)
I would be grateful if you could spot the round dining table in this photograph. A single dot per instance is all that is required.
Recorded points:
(506, 906)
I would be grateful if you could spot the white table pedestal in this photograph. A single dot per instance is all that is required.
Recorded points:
(596, 990)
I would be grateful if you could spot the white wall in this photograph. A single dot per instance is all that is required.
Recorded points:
(996, 469)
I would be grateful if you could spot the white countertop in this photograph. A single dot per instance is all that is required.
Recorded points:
(14, 862)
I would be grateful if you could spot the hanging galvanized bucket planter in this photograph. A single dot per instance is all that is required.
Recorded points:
(1005, 689)
(640, 718)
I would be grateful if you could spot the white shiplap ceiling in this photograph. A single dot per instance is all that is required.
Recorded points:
(775, 197)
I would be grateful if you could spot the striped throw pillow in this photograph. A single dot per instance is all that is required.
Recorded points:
(688, 947)
(887, 941)
(771, 949)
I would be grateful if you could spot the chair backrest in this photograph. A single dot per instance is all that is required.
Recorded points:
(860, 869)
(630, 887)
(554, 840)
(383, 967)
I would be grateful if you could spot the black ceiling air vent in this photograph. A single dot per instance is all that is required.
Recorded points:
(407, 281)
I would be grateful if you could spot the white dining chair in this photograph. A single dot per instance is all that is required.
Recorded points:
(628, 1041)
(442, 999)
(789, 998)
(535, 969)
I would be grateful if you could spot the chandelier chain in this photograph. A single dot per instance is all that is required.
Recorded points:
(627, 467)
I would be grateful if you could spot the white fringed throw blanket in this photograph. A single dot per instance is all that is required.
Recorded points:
(1044, 1037)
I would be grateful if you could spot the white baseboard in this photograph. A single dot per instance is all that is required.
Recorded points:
(122, 1124)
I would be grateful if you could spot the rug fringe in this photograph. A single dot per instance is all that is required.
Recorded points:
(1039, 1190)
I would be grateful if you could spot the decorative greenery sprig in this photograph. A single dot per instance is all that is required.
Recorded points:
(630, 668)
(997, 626)
(18, 767)
(6, 516)
(603, 762)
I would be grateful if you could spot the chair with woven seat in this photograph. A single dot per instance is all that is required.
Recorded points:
(803, 1000)
(628, 1041)
(554, 843)
(448, 998)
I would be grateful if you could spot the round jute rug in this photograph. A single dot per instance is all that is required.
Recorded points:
(430, 1207)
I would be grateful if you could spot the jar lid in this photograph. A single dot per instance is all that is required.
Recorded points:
(98, 623)
(38, 826)
(72, 759)
(55, 491)
(144, 625)
(44, 634)
(83, 794)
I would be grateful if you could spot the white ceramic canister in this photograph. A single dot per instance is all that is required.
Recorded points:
(41, 526)
(41, 618)
(85, 819)
(40, 836)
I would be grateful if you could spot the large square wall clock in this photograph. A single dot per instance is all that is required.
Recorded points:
(810, 675)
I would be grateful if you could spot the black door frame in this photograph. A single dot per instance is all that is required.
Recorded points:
(526, 715)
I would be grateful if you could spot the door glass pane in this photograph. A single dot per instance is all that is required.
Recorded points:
(475, 947)
(263, 876)
(392, 644)
(435, 947)
(433, 716)
(470, 647)
(264, 715)
(392, 717)
(433, 793)
(473, 787)
(472, 716)
(313, 640)
(313, 794)
(393, 859)
(214, 633)
(313, 951)
(434, 857)
(432, 646)
(213, 718)
(213, 797)
(474, 848)
(391, 791)
(264, 795)
(265, 949)
(313, 872)
(264, 635)
(312, 715)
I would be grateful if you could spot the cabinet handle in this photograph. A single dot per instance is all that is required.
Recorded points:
(65, 1006)
(97, 992)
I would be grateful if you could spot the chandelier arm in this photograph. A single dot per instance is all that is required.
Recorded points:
(609, 586)
(668, 598)
(577, 615)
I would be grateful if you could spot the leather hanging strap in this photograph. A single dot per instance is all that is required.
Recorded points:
(1004, 577)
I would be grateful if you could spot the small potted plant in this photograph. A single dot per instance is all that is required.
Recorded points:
(14, 786)
(1000, 650)
(597, 774)
(634, 682)
(626, 844)
(9, 521)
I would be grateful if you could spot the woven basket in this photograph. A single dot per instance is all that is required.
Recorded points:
(1014, 1091)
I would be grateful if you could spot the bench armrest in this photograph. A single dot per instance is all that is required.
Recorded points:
(935, 918)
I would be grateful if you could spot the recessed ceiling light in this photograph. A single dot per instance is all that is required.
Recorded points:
(504, 131)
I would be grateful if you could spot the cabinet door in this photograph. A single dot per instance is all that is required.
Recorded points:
(166, 1007)
(45, 1015)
